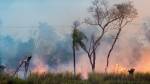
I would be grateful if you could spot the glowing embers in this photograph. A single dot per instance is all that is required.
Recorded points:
(118, 69)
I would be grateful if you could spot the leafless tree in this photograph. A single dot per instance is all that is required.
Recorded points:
(105, 18)
(126, 13)
(102, 18)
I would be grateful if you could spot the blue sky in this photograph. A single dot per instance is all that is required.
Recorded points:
(17, 16)
(22, 15)
(20, 18)
(29, 12)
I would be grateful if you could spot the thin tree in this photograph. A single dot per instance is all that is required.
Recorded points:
(102, 18)
(105, 18)
(77, 41)
(126, 13)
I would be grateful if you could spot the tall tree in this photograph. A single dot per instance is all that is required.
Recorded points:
(102, 18)
(106, 18)
(126, 13)
(77, 41)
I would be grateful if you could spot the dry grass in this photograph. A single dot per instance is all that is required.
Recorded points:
(68, 78)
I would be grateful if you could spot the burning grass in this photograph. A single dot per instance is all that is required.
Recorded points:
(68, 78)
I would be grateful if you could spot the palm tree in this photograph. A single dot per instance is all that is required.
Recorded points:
(77, 41)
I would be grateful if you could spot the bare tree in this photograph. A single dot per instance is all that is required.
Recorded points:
(106, 18)
(126, 13)
(102, 18)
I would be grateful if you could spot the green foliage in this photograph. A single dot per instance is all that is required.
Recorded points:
(78, 38)
(68, 78)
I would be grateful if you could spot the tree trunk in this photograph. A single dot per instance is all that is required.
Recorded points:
(94, 59)
(74, 60)
(112, 47)
(92, 55)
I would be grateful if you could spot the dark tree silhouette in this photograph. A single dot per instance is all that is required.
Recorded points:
(107, 18)
(77, 41)
(103, 18)
(126, 13)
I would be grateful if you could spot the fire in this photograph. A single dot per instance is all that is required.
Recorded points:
(120, 69)
(40, 67)
(144, 63)
(84, 72)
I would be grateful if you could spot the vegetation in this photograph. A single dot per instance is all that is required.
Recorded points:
(105, 19)
(68, 78)
(77, 40)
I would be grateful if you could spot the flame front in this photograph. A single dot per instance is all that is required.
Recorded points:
(144, 63)
(40, 67)
(120, 69)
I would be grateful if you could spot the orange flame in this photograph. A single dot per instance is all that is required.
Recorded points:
(120, 69)
(144, 63)
(40, 67)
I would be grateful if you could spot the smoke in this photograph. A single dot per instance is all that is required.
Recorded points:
(131, 49)
(40, 66)
(48, 49)
(144, 64)
(53, 53)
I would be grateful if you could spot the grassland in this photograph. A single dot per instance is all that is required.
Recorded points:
(67, 78)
